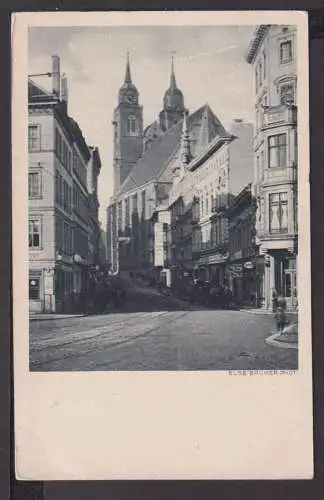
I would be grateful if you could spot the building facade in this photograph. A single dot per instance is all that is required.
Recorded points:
(202, 190)
(273, 54)
(93, 172)
(61, 223)
(243, 265)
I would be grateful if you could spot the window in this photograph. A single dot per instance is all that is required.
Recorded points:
(277, 150)
(34, 185)
(33, 138)
(34, 233)
(287, 94)
(131, 124)
(278, 212)
(34, 288)
(286, 52)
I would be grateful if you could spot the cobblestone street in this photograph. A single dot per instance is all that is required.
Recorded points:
(163, 334)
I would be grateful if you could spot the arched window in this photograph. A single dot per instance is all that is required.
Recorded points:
(131, 124)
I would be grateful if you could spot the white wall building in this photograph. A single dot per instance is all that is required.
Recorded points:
(273, 55)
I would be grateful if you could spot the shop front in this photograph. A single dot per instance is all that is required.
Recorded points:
(284, 277)
(242, 277)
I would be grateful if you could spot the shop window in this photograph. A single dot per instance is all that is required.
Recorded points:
(278, 212)
(34, 288)
(34, 185)
(34, 143)
(34, 235)
(277, 150)
(286, 52)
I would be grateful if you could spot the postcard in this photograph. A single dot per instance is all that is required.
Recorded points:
(161, 245)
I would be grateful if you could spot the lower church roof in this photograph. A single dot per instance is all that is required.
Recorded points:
(165, 147)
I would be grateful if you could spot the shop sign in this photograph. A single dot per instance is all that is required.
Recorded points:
(248, 265)
(236, 268)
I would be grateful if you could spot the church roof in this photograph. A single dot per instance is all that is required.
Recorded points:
(153, 164)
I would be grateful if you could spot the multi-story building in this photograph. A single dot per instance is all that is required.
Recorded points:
(58, 199)
(273, 54)
(143, 166)
(93, 172)
(219, 175)
(203, 187)
(243, 264)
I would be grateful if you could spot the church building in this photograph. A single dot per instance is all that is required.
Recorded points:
(145, 160)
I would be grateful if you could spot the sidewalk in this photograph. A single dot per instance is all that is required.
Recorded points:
(288, 339)
(52, 316)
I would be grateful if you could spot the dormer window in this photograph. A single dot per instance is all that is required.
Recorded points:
(131, 125)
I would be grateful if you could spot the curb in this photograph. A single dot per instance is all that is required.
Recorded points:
(39, 318)
(276, 343)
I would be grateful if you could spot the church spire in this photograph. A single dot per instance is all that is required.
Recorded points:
(128, 78)
(173, 83)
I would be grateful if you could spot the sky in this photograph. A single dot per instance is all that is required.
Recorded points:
(209, 66)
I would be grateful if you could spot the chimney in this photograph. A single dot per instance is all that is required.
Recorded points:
(56, 75)
(64, 90)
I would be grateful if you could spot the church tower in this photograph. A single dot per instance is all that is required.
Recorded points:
(128, 130)
(173, 103)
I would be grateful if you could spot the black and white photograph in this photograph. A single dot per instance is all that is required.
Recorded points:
(161, 246)
(162, 184)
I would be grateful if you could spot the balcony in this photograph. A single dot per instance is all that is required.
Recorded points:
(276, 116)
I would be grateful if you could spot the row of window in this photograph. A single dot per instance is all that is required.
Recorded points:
(127, 207)
(62, 150)
(63, 236)
(63, 193)
(241, 237)
(79, 168)
(285, 57)
(216, 163)
(68, 239)
(80, 203)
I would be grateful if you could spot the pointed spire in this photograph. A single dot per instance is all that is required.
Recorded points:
(128, 78)
(185, 146)
(173, 83)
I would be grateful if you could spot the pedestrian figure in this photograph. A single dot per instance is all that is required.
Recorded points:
(280, 314)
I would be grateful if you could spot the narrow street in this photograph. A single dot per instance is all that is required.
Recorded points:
(155, 332)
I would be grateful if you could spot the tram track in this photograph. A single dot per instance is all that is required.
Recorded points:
(114, 343)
